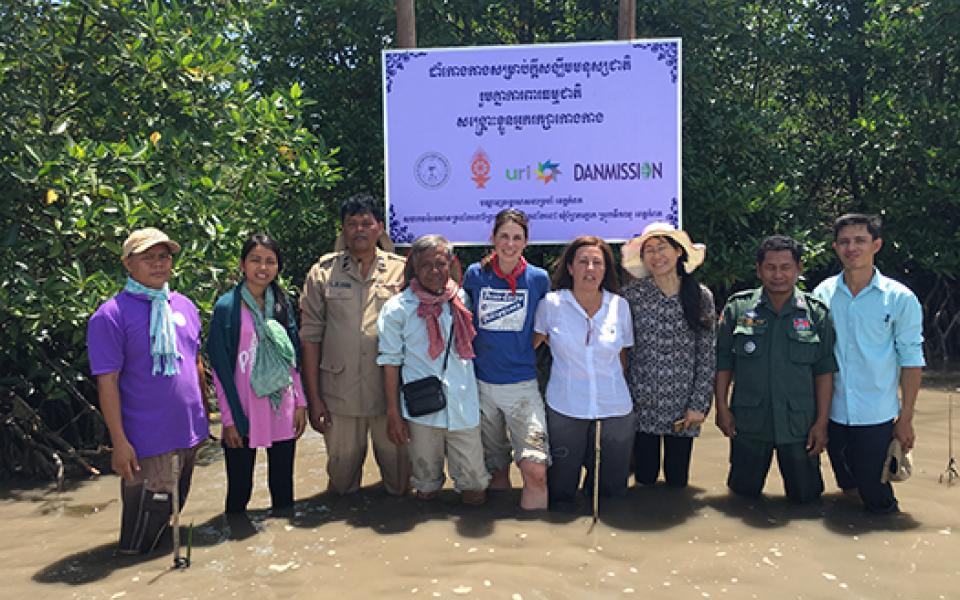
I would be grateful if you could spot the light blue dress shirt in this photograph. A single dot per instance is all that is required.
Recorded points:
(403, 342)
(878, 332)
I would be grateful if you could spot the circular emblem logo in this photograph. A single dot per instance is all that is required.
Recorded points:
(179, 320)
(749, 346)
(432, 170)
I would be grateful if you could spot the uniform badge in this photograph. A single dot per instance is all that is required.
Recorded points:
(749, 346)
(801, 324)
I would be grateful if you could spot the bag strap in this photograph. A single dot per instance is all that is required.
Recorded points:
(446, 355)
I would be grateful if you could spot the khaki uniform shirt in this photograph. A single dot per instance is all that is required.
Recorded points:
(775, 358)
(339, 311)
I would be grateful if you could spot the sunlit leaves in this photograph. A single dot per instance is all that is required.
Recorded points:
(142, 116)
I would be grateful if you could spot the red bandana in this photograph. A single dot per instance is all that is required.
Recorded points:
(513, 276)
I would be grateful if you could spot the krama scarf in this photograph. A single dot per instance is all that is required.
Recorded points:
(429, 310)
(510, 278)
(163, 332)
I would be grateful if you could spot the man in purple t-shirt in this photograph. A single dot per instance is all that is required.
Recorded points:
(144, 346)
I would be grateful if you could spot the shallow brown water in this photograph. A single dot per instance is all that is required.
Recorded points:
(657, 543)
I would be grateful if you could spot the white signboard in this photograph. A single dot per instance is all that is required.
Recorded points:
(584, 138)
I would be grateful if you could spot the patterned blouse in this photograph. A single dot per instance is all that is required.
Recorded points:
(671, 368)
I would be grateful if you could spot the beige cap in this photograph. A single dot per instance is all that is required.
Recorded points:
(898, 466)
(633, 250)
(143, 239)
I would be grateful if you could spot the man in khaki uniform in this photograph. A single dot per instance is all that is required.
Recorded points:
(342, 297)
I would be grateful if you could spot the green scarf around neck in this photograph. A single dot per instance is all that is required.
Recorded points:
(163, 331)
(270, 376)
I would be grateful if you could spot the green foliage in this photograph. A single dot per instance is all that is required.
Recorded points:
(794, 112)
(215, 119)
(120, 115)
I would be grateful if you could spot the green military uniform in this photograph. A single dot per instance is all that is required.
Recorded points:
(775, 358)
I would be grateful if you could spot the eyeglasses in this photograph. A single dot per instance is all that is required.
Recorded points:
(586, 342)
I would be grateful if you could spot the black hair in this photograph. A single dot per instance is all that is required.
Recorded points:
(507, 215)
(690, 294)
(358, 204)
(280, 300)
(776, 243)
(873, 223)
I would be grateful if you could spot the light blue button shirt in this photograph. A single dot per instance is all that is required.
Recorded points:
(403, 342)
(878, 332)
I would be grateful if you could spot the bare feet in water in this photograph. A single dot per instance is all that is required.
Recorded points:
(500, 480)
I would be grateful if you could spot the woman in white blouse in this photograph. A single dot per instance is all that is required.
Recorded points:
(588, 328)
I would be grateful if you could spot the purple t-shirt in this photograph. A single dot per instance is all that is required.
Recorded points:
(159, 413)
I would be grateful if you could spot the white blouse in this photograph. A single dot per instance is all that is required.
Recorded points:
(586, 380)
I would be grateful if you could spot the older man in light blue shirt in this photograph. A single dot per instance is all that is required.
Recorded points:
(416, 328)
(879, 326)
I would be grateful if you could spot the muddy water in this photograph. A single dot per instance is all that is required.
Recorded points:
(657, 543)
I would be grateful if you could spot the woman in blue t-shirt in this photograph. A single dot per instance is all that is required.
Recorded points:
(505, 291)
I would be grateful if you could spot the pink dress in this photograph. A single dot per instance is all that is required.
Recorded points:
(266, 426)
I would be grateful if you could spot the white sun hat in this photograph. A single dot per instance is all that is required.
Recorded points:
(633, 250)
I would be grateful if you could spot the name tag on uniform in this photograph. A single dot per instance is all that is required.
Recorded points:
(339, 289)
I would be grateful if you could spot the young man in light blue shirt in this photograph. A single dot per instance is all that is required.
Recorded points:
(879, 326)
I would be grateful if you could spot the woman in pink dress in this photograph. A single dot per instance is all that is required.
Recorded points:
(253, 347)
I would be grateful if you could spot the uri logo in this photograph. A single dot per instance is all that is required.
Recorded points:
(547, 171)
(480, 167)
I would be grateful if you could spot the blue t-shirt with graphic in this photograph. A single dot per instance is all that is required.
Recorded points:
(504, 322)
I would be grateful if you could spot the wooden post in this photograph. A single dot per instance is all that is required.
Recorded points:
(406, 24)
(627, 21)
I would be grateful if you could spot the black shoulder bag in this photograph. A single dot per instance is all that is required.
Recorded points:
(425, 396)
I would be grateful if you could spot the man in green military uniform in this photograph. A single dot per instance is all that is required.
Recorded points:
(776, 342)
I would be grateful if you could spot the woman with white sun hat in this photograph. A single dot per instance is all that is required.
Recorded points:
(671, 365)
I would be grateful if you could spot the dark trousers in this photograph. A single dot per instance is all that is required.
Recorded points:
(676, 458)
(750, 462)
(572, 450)
(857, 454)
(148, 499)
(240, 463)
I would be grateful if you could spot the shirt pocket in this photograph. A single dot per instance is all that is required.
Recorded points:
(609, 335)
(748, 347)
(874, 330)
(748, 341)
(803, 346)
(331, 381)
(801, 414)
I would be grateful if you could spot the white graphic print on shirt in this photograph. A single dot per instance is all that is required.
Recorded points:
(248, 357)
(501, 310)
